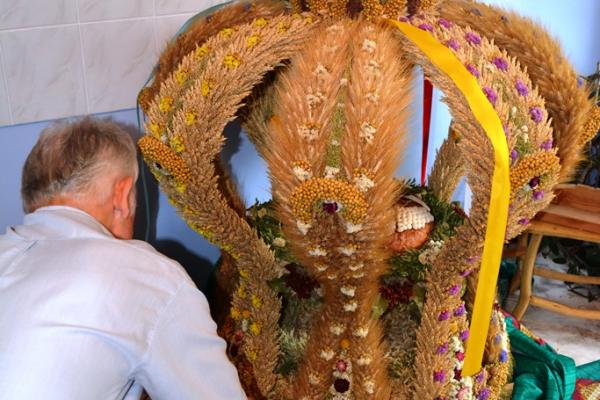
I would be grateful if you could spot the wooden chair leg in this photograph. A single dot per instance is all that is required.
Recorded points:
(527, 274)
(516, 279)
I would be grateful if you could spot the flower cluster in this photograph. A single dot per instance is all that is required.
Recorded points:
(316, 190)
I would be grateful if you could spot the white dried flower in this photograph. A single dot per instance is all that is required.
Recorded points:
(327, 354)
(358, 275)
(364, 360)
(332, 277)
(320, 70)
(317, 251)
(363, 183)
(302, 174)
(367, 132)
(373, 97)
(303, 227)
(313, 379)
(307, 132)
(348, 290)
(356, 267)
(331, 172)
(373, 67)
(343, 82)
(279, 242)
(335, 142)
(361, 332)
(314, 100)
(350, 307)
(321, 267)
(347, 250)
(369, 387)
(337, 329)
(369, 46)
(353, 228)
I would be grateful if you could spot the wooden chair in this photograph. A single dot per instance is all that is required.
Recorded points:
(573, 214)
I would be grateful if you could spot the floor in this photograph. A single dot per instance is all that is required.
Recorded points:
(574, 337)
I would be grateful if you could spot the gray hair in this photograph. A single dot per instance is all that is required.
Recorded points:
(71, 157)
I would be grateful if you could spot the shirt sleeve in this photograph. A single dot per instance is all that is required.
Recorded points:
(186, 358)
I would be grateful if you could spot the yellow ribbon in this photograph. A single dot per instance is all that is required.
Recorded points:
(486, 116)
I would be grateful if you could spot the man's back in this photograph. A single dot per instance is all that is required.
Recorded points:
(82, 315)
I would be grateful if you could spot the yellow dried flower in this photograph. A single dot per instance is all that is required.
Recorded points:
(241, 292)
(226, 32)
(251, 354)
(166, 103)
(162, 157)
(155, 129)
(260, 22)
(206, 232)
(252, 41)
(235, 313)
(282, 27)
(201, 51)
(243, 273)
(256, 301)
(190, 118)
(180, 187)
(230, 61)
(306, 195)
(180, 76)
(205, 87)
(539, 163)
(246, 314)
(176, 143)
(592, 126)
(255, 329)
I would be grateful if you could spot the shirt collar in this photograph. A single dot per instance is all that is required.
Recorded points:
(60, 222)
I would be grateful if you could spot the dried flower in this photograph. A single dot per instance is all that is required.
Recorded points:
(536, 114)
(501, 63)
(439, 376)
(547, 145)
(442, 348)
(454, 290)
(473, 38)
(473, 70)
(444, 315)
(521, 87)
(445, 23)
(538, 195)
(464, 335)
(453, 44)
(491, 95)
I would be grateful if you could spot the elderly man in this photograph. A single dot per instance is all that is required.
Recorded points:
(86, 312)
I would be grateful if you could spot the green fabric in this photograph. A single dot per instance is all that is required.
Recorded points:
(589, 371)
(540, 372)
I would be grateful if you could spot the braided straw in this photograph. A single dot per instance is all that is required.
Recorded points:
(567, 104)
(191, 110)
(448, 168)
(497, 74)
(346, 259)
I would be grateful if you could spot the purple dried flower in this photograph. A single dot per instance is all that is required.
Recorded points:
(473, 38)
(454, 290)
(503, 356)
(491, 95)
(501, 63)
(479, 377)
(464, 335)
(536, 114)
(444, 315)
(534, 182)
(330, 207)
(547, 144)
(442, 348)
(484, 394)
(538, 195)
(473, 70)
(426, 27)
(453, 44)
(579, 82)
(403, 19)
(524, 221)
(521, 87)
(506, 132)
(439, 376)
(445, 23)
(497, 338)
(472, 259)
(466, 273)
(460, 310)
(514, 154)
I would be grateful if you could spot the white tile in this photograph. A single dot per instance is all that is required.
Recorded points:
(166, 7)
(118, 58)
(4, 107)
(29, 13)
(167, 27)
(44, 73)
(94, 10)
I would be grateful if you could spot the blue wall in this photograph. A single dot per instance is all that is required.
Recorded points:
(576, 24)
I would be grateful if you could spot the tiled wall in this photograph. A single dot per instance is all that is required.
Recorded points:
(61, 58)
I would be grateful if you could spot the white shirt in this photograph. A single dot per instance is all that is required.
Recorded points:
(86, 316)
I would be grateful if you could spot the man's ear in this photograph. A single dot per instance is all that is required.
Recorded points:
(121, 192)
